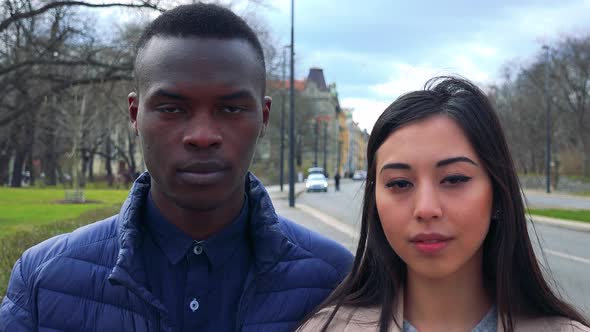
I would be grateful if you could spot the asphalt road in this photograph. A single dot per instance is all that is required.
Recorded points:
(565, 253)
(541, 199)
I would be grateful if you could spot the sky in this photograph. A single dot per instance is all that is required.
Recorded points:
(375, 50)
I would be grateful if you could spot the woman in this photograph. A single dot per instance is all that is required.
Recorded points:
(444, 244)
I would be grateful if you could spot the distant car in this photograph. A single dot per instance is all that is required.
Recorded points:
(314, 170)
(359, 175)
(316, 182)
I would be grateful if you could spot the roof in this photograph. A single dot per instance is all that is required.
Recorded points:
(316, 75)
(298, 84)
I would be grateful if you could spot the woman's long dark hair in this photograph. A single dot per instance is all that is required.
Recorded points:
(511, 272)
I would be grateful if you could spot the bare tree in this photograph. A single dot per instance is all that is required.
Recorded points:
(571, 68)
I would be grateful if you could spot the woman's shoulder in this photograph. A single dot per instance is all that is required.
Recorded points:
(555, 323)
(346, 319)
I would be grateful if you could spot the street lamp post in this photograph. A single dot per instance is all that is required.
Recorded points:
(325, 147)
(283, 98)
(316, 143)
(292, 115)
(548, 121)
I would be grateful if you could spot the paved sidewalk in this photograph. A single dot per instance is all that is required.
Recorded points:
(310, 218)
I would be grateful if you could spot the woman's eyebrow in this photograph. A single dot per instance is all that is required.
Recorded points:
(395, 166)
(441, 163)
(449, 161)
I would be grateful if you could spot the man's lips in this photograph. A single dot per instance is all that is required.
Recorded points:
(206, 166)
(202, 172)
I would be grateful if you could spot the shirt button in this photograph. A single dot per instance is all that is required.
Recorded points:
(194, 305)
(198, 249)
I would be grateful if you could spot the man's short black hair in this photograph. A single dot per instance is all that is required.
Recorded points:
(201, 20)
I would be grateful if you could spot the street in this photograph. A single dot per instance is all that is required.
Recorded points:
(566, 252)
(540, 199)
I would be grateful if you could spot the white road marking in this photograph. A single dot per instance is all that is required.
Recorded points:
(567, 256)
(328, 220)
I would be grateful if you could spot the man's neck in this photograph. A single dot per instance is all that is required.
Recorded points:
(199, 224)
(456, 303)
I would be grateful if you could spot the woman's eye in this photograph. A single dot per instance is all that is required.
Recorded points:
(399, 184)
(456, 179)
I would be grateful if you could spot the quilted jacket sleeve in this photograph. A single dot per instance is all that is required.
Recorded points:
(15, 315)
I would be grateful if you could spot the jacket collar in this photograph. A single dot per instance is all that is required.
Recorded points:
(268, 242)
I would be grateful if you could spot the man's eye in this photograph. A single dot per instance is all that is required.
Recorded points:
(456, 179)
(399, 184)
(233, 109)
(169, 109)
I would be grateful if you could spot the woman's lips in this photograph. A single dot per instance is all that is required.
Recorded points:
(431, 247)
(430, 243)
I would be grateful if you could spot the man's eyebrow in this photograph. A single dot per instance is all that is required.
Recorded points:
(168, 94)
(395, 166)
(449, 161)
(241, 94)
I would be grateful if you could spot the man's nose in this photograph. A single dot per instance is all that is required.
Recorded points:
(427, 204)
(202, 130)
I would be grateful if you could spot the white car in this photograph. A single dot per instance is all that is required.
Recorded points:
(316, 182)
(359, 175)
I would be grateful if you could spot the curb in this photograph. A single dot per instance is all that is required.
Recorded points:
(561, 223)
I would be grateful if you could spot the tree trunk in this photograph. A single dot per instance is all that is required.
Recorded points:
(84, 163)
(17, 170)
(108, 160)
(31, 169)
(132, 164)
(4, 163)
(49, 163)
(91, 167)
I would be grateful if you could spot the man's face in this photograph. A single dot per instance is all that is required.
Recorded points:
(199, 114)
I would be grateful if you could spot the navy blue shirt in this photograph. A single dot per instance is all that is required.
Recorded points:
(198, 282)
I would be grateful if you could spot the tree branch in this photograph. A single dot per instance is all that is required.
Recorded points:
(57, 4)
(71, 63)
(56, 89)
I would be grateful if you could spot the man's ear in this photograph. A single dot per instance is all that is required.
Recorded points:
(265, 114)
(133, 100)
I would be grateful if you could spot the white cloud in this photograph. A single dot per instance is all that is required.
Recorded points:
(465, 66)
(483, 50)
(365, 111)
(405, 78)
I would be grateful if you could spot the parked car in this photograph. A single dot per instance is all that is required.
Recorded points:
(316, 182)
(359, 175)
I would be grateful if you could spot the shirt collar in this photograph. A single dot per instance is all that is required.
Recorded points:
(221, 246)
(175, 243)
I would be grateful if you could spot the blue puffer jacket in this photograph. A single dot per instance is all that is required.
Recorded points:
(84, 280)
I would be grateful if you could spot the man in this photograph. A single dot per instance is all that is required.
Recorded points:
(197, 246)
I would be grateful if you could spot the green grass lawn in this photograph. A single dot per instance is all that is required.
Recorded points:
(31, 215)
(23, 208)
(576, 215)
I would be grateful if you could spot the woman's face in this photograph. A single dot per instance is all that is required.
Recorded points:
(434, 198)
